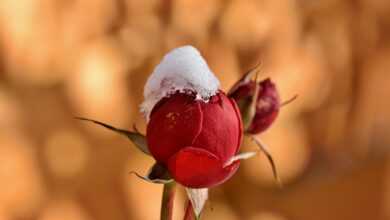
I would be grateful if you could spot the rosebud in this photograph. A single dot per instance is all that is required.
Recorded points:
(196, 139)
(266, 107)
(194, 130)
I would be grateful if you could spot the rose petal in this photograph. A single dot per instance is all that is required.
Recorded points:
(267, 107)
(240, 131)
(176, 124)
(199, 168)
(221, 133)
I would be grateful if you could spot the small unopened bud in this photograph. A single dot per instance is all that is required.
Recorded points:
(266, 107)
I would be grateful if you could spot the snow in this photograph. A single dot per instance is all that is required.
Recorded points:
(182, 69)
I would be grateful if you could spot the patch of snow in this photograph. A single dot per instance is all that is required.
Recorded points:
(182, 69)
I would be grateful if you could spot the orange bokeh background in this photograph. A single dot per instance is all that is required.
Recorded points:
(91, 58)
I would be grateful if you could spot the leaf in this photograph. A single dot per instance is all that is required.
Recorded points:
(157, 174)
(198, 198)
(241, 156)
(136, 137)
(264, 149)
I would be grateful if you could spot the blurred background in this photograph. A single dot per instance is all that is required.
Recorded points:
(91, 58)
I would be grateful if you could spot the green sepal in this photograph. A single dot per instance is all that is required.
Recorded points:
(156, 174)
(245, 78)
(263, 148)
(138, 139)
(248, 108)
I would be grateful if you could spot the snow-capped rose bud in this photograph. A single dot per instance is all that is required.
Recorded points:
(193, 129)
(267, 104)
(195, 139)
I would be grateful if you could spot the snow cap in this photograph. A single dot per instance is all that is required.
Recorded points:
(183, 69)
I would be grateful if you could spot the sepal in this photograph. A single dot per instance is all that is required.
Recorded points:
(157, 174)
(198, 198)
(246, 78)
(241, 156)
(266, 152)
(138, 139)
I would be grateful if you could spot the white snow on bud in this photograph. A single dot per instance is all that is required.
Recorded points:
(182, 69)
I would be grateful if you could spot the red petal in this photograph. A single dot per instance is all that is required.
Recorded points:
(241, 130)
(173, 125)
(262, 121)
(221, 133)
(199, 168)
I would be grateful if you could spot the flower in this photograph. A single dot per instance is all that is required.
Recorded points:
(267, 105)
(194, 139)
(194, 129)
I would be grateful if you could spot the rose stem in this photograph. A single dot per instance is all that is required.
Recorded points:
(167, 201)
(189, 214)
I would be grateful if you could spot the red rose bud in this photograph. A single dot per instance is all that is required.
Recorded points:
(267, 104)
(195, 139)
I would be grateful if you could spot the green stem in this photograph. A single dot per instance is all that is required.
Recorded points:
(167, 201)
